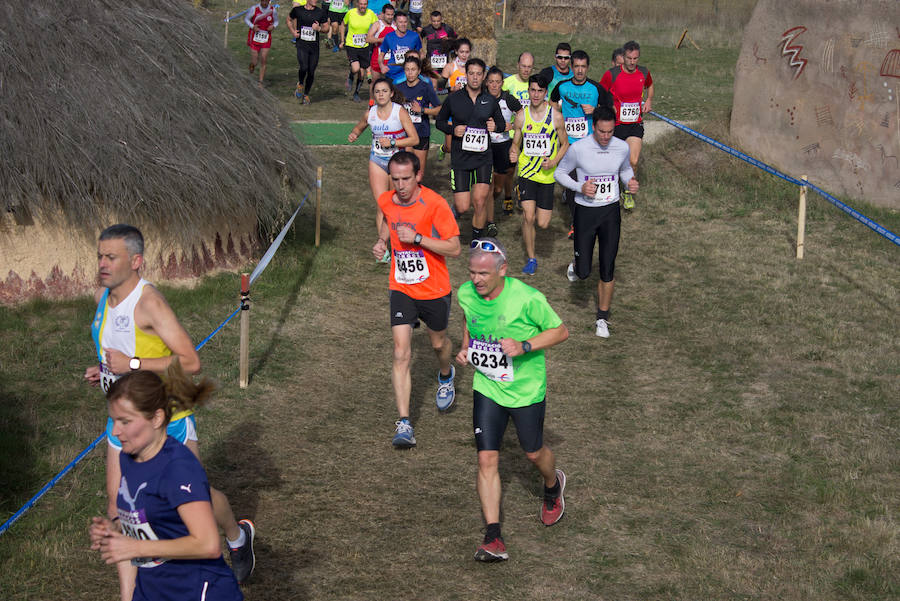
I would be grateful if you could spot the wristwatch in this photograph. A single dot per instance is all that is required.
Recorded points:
(418, 239)
(134, 363)
(526, 346)
(393, 143)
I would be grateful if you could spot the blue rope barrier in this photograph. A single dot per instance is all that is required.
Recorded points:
(264, 262)
(874, 226)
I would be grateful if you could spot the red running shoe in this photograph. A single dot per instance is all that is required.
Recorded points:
(552, 509)
(491, 551)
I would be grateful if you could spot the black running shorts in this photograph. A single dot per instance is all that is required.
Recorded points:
(542, 194)
(601, 224)
(489, 422)
(363, 56)
(424, 143)
(405, 310)
(624, 131)
(500, 150)
(462, 180)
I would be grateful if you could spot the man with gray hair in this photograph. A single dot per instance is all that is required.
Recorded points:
(508, 326)
(135, 328)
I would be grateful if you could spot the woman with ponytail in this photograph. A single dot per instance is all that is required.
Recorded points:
(165, 524)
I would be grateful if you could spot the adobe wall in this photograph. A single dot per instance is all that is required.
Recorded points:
(39, 259)
(816, 92)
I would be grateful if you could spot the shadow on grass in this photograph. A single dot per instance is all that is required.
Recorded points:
(17, 459)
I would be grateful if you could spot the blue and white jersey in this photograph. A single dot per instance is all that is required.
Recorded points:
(571, 96)
(395, 48)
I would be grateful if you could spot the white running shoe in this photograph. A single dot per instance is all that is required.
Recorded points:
(570, 272)
(602, 328)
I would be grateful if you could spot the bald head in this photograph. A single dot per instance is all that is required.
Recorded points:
(525, 66)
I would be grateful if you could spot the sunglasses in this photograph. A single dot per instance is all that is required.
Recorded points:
(564, 57)
(487, 246)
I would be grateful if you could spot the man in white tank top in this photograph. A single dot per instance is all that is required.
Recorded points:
(133, 318)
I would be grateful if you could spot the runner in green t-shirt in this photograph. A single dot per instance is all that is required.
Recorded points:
(508, 325)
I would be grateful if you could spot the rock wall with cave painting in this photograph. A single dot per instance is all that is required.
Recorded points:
(816, 93)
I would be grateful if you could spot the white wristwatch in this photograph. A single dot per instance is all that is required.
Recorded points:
(134, 363)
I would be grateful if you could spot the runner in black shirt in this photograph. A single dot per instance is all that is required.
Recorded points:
(305, 23)
(475, 114)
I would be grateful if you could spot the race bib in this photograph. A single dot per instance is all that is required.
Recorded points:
(107, 377)
(461, 81)
(307, 34)
(261, 37)
(135, 525)
(416, 5)
(490, 360)
(358, 40)
(399, 55)
(438, 61)
(475, 139)
(414, 117)
(497, 137)
(607, 187)
(337, 5)
(525, 101)
(537, 145)
(410, 266)
(380, 150)
(576, 127)
(629, 112)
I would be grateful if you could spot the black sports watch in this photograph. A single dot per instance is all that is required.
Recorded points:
(526, 346)
(418, 239)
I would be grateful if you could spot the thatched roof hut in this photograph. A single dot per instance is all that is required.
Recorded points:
(116, 111)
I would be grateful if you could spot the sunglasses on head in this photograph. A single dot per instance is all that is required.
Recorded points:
(487, 246)
(563, 56)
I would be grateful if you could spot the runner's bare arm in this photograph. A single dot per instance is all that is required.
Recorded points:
(153, 315)
(372, 38)
(462, 355)
(292, 25)
(448, 248)
(517, 137)
(412, 136)
(560, 125)
(648, 103)
(359, 128)
(384, 235)
(544, 340)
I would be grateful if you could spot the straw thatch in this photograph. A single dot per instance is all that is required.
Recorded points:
(563, 15)
(134, 109)
(115, 111)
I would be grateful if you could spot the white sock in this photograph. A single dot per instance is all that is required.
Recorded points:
(239, 541)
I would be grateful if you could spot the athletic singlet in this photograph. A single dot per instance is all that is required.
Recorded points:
(458, 76)
(385, 128)
(115, 328)
(508, 113)
(262, 18)
(539, 142)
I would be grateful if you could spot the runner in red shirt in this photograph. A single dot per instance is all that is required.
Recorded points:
(261, 18)
(422, 232)
(627, 84)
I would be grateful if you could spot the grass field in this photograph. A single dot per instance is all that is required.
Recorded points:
(735, 438)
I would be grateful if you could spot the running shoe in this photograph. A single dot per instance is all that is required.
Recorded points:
(507, 206)
(530, 266)
(243, 560)
(305, 99)
(252, 67)
(552, 508)
(570, 272)
(491, 551)
(491, 229)
(336, 49)
(403, 435)
(356, 98)
(299, 91)
(446, 392)
(441, 153)
(294, 41)
(571, 232)
(602, 328)
(627, 201)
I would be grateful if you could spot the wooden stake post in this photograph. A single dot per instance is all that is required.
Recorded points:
(227, 18)
(245, 330)
(504, 15)
(801, 220)
(318, 203)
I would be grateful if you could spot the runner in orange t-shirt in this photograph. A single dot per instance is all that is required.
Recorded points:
(422, 231)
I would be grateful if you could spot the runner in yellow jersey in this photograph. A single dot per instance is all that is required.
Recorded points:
(134, 328)
(538, 146)
(353, 31)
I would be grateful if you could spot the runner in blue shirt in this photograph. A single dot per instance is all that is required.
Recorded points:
(395, 45)
(421, 102)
